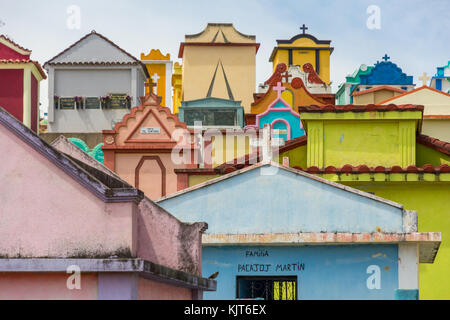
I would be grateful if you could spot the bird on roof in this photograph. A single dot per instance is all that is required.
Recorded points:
(213, 276)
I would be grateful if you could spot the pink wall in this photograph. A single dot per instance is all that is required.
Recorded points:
(46, 213)
(165, 240)
(152, 290)
(50, 286)
(11, 91)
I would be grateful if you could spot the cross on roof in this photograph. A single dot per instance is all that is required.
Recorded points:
(386, 57)
(286, 76)
(279, 89)
(424, 78)
(303, 28)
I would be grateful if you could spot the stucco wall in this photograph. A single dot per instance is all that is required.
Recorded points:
(150, 181)
(46, 213)
(165, 240)
(152, 290)
(323, 272)
(50, 286)
(93, 82)
(199, 64)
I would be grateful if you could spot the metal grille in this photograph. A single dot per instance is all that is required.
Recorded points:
(267, 288)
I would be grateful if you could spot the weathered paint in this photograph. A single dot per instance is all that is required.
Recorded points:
(330, 272)
(72, 218)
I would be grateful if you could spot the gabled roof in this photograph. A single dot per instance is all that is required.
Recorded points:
(125, 59)
(14, 46)
(218, 34)
(379, 88)
(292, 170)
(108, 188)
(19, 55)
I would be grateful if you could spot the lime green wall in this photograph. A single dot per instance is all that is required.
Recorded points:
(297, 157)
(367, 142)
(426, 155)
(430, 201)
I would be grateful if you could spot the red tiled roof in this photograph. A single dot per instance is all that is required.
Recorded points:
(349, 169)
(137, 61)
(14, 44)
(357, 93)
(17, 61)
(360, 108)
(293, 143)
(441, 146)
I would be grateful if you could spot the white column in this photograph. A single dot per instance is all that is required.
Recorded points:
(408, 266)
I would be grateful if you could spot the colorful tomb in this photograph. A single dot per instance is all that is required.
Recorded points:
(385, 80)
(304, 48)
(211, 56)
(159, 67)
(139, 148)
(91, 235)
(309, 239)
(436, 117)
(343, 94)
(282, 119)
(20, 79)
(92, 85)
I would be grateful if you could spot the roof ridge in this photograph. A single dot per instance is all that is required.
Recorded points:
(93, 32)
(14, 43)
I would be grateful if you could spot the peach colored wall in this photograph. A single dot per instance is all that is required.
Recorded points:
(165, 240)
(70, 219)
(150, 173)
(50, 286)
(152, 290)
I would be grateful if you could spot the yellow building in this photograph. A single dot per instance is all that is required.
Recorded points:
(177, 85)
(304, 48)
(219, 62)
(436, 117)
(159, 67)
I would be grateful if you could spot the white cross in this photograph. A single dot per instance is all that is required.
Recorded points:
(155, 79)
(424, 79)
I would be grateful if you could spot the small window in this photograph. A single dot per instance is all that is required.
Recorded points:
(267, 288)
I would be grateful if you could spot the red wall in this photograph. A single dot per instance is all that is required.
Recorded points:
(8, 53)
(34, 104)
(11, 92)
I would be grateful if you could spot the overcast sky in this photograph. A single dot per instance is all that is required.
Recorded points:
(415, 34)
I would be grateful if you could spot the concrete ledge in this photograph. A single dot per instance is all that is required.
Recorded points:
(143, 268)
(429, 243)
